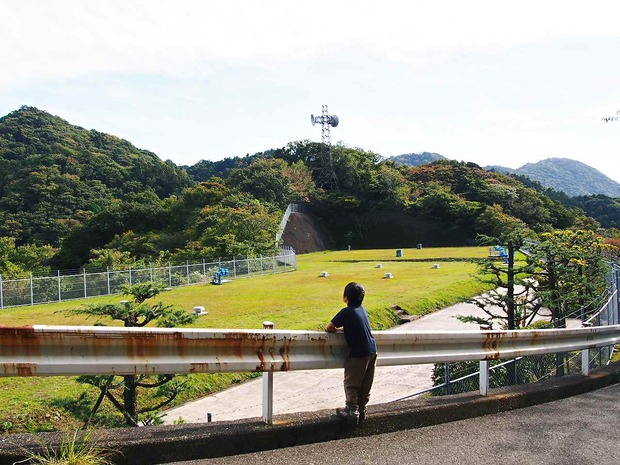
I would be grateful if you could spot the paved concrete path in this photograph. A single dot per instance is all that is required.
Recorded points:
(304, 391)
(579, 430)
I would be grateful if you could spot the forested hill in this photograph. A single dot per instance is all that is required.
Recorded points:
(71, 197)
(416, 159)
(54, 175)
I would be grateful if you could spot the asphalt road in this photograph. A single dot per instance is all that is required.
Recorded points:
(579, 430)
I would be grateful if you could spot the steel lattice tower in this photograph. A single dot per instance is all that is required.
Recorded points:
(327, 176)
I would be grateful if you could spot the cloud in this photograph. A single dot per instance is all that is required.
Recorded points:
(69, 38)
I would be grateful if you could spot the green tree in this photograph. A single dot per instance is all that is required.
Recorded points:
(137, 313)
(265, 180)
(511, 291)
(137, 212)
(21, 260)
(302, 185)
(570, 272)
(240, 225)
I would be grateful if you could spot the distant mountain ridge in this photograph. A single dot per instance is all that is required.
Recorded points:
(566, 175)
(562, 174)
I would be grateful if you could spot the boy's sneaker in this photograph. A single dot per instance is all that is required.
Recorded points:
(351, 416)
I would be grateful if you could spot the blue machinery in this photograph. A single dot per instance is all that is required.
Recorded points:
(217, 276)
(501, 251)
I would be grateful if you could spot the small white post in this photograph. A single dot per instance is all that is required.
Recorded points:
(268, 387)
(234, 267)
(585, 362)
(187, 271)
(268, 397)
(1, 293)
(84, 275)
(107, 272)
(484, 378)
(31, 291)
(59, 288)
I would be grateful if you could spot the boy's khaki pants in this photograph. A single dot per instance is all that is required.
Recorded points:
(359, 373)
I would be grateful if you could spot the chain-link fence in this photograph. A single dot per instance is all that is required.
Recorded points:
(79, 284)
(460, 377)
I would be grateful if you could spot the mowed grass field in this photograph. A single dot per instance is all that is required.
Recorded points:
(294, 300)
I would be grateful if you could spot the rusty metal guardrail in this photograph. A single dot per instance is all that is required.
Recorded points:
(69, 350)
(83, 350)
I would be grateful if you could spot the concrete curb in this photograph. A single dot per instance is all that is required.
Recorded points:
(162, 444)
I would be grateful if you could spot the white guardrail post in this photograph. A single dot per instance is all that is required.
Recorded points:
(484, 378)
(268, 387)
(585, 362)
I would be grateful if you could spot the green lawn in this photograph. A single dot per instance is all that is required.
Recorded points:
(294, 300)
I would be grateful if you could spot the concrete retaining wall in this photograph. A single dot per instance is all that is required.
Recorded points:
(162, 444)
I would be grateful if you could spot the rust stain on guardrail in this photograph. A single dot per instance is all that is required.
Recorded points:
(491, 343)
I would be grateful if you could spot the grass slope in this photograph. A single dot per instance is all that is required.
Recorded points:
(294, 300)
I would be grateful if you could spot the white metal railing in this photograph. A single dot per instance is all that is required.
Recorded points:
(291, 208)
(84, 350)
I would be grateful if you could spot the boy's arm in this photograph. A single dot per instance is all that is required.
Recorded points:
(331, 327)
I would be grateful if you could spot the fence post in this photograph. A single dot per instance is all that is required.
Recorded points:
(204, 270)
(187, 271)
(446, 370)
(59, 289)
(268, 387)
(585, 362)
(248, 260)
(613, 310)
(151, 271)
(169, 274)
(261, 264)
(1, 293)
(84, 280)
(484, 378)
(107, 273)
(234, 267)
(31, 291)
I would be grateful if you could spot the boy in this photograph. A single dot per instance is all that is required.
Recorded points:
(359, 368)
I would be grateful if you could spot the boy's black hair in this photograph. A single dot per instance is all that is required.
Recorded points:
(354, 293)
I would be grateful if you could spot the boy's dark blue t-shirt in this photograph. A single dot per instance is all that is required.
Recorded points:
(357, 333)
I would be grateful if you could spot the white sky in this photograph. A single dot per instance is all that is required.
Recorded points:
(503, 83)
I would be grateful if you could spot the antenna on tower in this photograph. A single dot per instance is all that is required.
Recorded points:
(607, 119)
(327, 176)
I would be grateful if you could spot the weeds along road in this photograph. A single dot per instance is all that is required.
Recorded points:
(304, 391)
